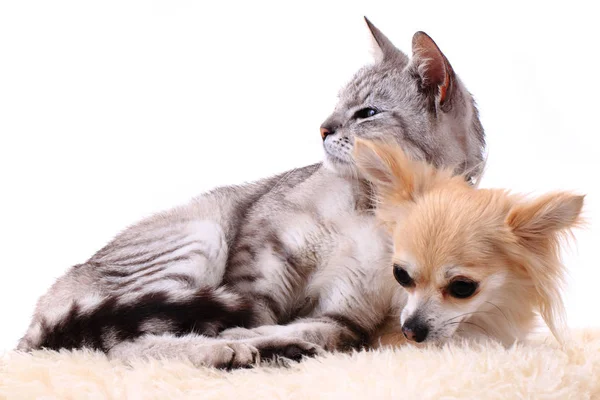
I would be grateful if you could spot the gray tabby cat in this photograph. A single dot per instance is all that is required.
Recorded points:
(287, 266)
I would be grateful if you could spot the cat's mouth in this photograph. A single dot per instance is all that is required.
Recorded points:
(336, 152)
(340, 162)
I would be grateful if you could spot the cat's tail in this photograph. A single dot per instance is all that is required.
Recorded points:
(115, 319)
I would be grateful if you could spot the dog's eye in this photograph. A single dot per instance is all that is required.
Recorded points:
(462, 289)
(365, 113)
(402, 276)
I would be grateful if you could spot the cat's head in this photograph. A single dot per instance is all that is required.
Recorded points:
(419, 103)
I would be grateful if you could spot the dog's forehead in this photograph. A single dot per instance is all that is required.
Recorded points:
(445, 230)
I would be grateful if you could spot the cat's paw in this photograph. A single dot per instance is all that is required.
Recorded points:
(229, 356)
(274, 348)
(200, 352)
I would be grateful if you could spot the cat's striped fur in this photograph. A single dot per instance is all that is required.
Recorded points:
(289, 265)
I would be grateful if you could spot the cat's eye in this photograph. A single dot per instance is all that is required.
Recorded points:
(462, 288)
(367, 112)
(402, 276)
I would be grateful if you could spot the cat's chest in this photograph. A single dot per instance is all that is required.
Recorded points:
(328, 221)
(337, 249)
(316, 236)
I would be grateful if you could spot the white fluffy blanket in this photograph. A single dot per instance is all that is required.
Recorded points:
(534, 371)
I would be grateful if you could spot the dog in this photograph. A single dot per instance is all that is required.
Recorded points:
(474, 263)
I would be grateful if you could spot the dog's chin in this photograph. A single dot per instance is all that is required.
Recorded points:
(443, 336)
(464, 333)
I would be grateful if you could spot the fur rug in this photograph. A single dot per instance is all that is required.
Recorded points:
(539, 370)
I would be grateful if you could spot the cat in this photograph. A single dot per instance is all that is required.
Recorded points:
(289, 266)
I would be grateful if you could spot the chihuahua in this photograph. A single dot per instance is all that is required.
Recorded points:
(475, 263)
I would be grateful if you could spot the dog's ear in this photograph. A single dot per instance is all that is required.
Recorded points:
(377, 164)
(538, 226)
(545, 217)
(397, 180)
(383, 166)
(395, 176)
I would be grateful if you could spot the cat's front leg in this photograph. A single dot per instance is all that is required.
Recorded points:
(346, 315)
(224, 353)
(303, 337)
(272, 342)
(196, 349)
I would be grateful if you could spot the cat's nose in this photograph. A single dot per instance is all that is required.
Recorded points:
(415, 330)
(326, 132)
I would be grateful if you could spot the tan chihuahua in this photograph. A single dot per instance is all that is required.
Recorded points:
(474, 262)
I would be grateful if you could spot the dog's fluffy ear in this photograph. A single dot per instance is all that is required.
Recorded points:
(538, 226)
(395, 176)
(545, 216)
(380, 165)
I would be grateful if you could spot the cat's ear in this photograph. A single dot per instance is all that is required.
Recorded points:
(433, 69)
(383, 48)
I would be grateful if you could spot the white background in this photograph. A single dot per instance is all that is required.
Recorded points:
(112, 110)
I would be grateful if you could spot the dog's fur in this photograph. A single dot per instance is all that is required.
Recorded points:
(446, 230)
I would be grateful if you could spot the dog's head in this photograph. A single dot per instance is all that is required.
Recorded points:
(474, 262)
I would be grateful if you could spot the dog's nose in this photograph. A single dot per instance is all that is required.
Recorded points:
(415, 331)
(326, 132)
